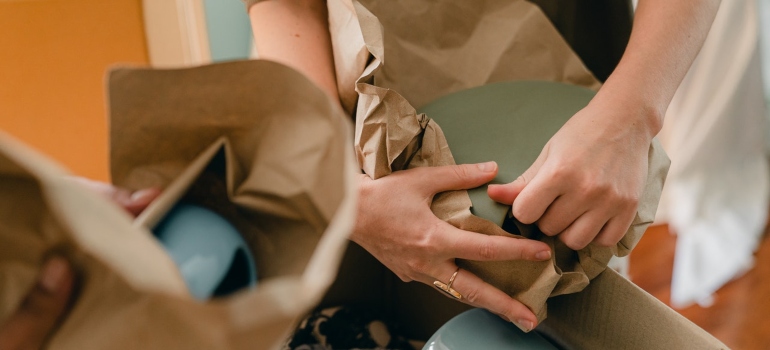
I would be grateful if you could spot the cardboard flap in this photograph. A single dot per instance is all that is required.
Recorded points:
(613, 313)
(154, 212)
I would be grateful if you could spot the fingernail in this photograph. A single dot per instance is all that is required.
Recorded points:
(525, 325)
(488, 166)
(142, 194)
(54, 272)
(544, 255)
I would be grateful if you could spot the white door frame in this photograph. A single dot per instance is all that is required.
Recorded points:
(176, 33)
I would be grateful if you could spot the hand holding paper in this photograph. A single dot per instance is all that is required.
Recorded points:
(133, 202)
(38, 315)
(586, 184)
(396, 225)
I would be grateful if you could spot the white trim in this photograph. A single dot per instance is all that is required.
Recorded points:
(176, 33)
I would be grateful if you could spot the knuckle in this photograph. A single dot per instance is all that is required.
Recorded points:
(559, 172)
(404, 278)
(605, 241)
(429, 239)
(548, 228)
(510, 313)
(631, 201)
(575, 243)
(523, 215)
(417, 265)
(488, 251)
(595, 188)
(461, 171)
(472, 295)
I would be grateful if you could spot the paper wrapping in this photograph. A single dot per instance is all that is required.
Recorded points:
(254, 141)
(421, 50)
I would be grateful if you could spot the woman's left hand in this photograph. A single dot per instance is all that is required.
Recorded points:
(133, 202)
(586, 183)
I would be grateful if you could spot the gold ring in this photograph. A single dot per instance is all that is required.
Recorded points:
(447, 288)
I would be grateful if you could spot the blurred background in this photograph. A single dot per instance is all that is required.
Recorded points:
(706, 256)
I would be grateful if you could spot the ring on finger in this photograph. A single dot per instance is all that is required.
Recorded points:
(447, 288)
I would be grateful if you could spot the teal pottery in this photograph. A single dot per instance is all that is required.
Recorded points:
(210, 253)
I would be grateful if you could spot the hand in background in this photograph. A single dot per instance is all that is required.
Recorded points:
(133, 202)
(45, 305)
(41, 311)
(396, 225)
(586, 184)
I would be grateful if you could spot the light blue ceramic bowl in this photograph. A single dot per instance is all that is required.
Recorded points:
(481, 329)
(212, 256)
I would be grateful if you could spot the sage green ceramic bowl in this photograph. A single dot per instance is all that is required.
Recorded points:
(507, 122)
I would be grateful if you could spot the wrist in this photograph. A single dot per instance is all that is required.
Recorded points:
(633, 110)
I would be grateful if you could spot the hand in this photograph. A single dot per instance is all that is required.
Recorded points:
(586, 184)
(40, 312)
(396, 225)
(132, 202)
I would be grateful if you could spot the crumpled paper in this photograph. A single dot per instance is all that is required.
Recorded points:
(421, 50)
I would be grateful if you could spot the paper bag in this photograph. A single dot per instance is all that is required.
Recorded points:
(254, 141)
(422, 50)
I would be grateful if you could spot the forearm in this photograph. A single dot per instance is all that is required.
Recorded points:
(296, 33)
(666, 37)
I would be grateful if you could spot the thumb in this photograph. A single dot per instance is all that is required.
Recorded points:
(458, 177)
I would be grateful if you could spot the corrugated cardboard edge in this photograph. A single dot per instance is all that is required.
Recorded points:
(613, 313)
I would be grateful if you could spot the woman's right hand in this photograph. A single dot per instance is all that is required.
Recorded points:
(396, 225)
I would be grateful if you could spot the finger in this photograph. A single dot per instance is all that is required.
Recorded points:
(480, 247)
(478, 293)
(535, 198)
(615, 229)
(560, 214)
(139, 200)
(457, 177)
(537, 193)
(133, 202)
(578, 235)
(507, 193)
(40, 311)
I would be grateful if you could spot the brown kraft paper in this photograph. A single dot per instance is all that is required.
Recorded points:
(254, 141)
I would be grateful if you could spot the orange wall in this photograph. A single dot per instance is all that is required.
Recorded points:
(53, 58)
